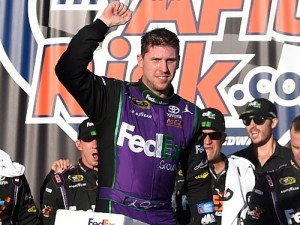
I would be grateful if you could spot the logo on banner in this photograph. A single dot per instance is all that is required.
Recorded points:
(231, 52)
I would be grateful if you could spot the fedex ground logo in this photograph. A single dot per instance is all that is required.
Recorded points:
(162, 147)
(91, 221)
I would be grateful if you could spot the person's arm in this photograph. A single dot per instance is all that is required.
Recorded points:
(74, 61)
(71, 68)
(198, 183)
(51, 197)
(261, 208)
(25, 209)
(58, 166)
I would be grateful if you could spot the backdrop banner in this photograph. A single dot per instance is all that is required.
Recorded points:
(231, 52)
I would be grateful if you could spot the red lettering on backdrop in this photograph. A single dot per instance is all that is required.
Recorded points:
(180, 12)
(210, 81)
(211, 11)
(50, 87)
(259, 16)
(191, 68)
(116, 70)
(286, 21)
(136, 74)
(120, 48)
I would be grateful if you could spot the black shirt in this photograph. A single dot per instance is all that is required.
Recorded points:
(275, 199)
(16, 202)
(282, 155)
(74, 189)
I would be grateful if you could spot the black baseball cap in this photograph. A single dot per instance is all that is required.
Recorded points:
(212, 118)
(87, 131)
(260, 107)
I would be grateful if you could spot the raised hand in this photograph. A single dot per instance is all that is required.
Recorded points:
(116, 13)
(60, 165)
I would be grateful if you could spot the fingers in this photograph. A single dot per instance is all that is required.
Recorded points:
(60, 165)
(127, 16)
(120, 9)
(116, 13)
(123, 12)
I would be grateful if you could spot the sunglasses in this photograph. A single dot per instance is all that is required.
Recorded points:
(212, 135)
(258, 120)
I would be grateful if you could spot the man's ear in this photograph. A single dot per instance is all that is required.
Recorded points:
(274, 122)
(140, 60)
(78, 145)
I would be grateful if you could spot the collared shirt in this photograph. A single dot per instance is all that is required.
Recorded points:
(281, 156)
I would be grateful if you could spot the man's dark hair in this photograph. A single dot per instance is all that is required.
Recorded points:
(159, 37)
(296, 124)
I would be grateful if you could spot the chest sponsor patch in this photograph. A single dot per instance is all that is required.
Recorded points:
(76, 178)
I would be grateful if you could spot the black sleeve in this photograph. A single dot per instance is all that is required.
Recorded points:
(74, 61)
(198, 183)
(44, 185)
(261, 209)
(26, 210)
(51, 197)
(72, 71)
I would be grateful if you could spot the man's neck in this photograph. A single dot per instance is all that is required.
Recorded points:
(218, 166)
(265, 151)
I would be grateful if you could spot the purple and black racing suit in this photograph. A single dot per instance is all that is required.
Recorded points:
(141, 138)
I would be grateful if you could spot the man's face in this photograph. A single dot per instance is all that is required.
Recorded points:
(159, 65)
(295, 145)
(212, 143)
(260, 129)
(89, 153)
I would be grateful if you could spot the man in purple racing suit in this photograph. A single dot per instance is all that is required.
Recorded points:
(144, 127)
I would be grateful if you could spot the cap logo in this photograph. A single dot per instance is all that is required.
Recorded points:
(89, 124)
(209, 115)
(206, 124)
(255, 104)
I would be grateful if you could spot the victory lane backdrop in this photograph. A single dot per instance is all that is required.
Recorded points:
(231, 52)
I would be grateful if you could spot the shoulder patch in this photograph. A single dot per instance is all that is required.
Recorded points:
(58, 179)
